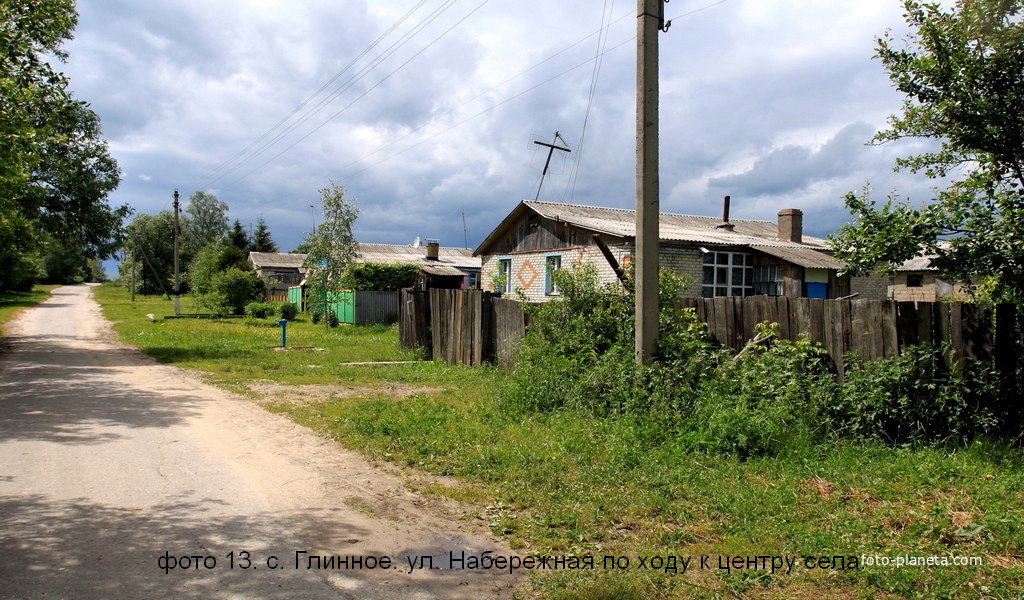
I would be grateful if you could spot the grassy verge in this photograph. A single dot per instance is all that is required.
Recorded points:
(566, 483)
(12, 303)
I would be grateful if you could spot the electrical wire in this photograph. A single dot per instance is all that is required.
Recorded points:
(361, 96)
(342, 88)
(310, 98)
(503, 102)
(595, 74)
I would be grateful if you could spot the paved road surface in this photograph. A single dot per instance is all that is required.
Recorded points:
(108, 460)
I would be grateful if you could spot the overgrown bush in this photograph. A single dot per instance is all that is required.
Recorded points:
(317, 313)
(261, 310)
(776, 397)
(230, 291)
(764, 401)
(380, 277)
(915, 397)
(288, 311)
(579, 352)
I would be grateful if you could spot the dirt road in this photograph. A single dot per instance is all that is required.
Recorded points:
(109, 460)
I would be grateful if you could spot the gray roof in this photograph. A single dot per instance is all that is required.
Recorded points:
(918, 263)
(264, 260)
(388, 253)
(447, 263)
(804, 257)
(621, 222)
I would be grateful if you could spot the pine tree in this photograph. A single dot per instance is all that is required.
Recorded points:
(261, 240)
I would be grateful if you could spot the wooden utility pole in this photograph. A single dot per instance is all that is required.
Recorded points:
(177, 289)
(650, 20)
(551, 150)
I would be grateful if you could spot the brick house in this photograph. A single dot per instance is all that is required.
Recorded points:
(916, 280)
(721, 257)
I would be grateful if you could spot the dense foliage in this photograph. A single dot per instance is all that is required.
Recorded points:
(55, 168)
(380, 277)
(332, 248)
(578, 355)
(963, 77)
(230, 291)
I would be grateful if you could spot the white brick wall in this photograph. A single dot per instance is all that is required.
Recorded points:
(528, 269)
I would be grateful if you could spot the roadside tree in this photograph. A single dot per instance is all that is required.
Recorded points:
(963, 77)
(332, 248)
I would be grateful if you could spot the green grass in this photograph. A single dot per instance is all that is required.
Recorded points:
(568, 483)
(11, 303)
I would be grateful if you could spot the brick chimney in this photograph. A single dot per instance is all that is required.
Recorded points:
(432, 248)
(791, 225)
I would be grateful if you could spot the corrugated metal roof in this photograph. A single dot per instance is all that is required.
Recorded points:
(447, 258)
(918, 263)
(621, 222)
(388, 253)
(804, 257)
(434, 269)
(264, 260)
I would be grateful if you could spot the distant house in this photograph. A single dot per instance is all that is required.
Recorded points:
(722, 257)
(439, 267)
(917, 280)
(278, 270)
(450, 268)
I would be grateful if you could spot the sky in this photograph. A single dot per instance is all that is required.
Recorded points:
(426, 111)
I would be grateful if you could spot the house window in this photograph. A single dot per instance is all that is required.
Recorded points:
(551, 264)
(768, 281)
(472, 280)
(915, 280)
(727, 274)
(505, 272)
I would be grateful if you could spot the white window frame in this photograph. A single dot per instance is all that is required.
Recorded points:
(550, 287)
(725, 265)
(505, 269)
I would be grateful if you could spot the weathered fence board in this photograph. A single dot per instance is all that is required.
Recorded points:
(470, 327)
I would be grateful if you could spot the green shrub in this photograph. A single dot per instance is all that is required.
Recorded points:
(915, 397)
(578, 352)
(763, 402)
(261, 310)
(288, 311)
(778, 397)
(380, 276)
(230, 291)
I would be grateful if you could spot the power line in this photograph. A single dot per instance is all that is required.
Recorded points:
(361, 96)
(522, 93)
(487, 91)
(309, 99)
(503, 102)
(595, 74)
(348, 84)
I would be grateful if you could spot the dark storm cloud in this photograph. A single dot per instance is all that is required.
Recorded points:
(770, 101)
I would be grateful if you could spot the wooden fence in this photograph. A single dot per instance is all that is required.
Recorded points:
(469, 327)
(461, 327)
(872, 328)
